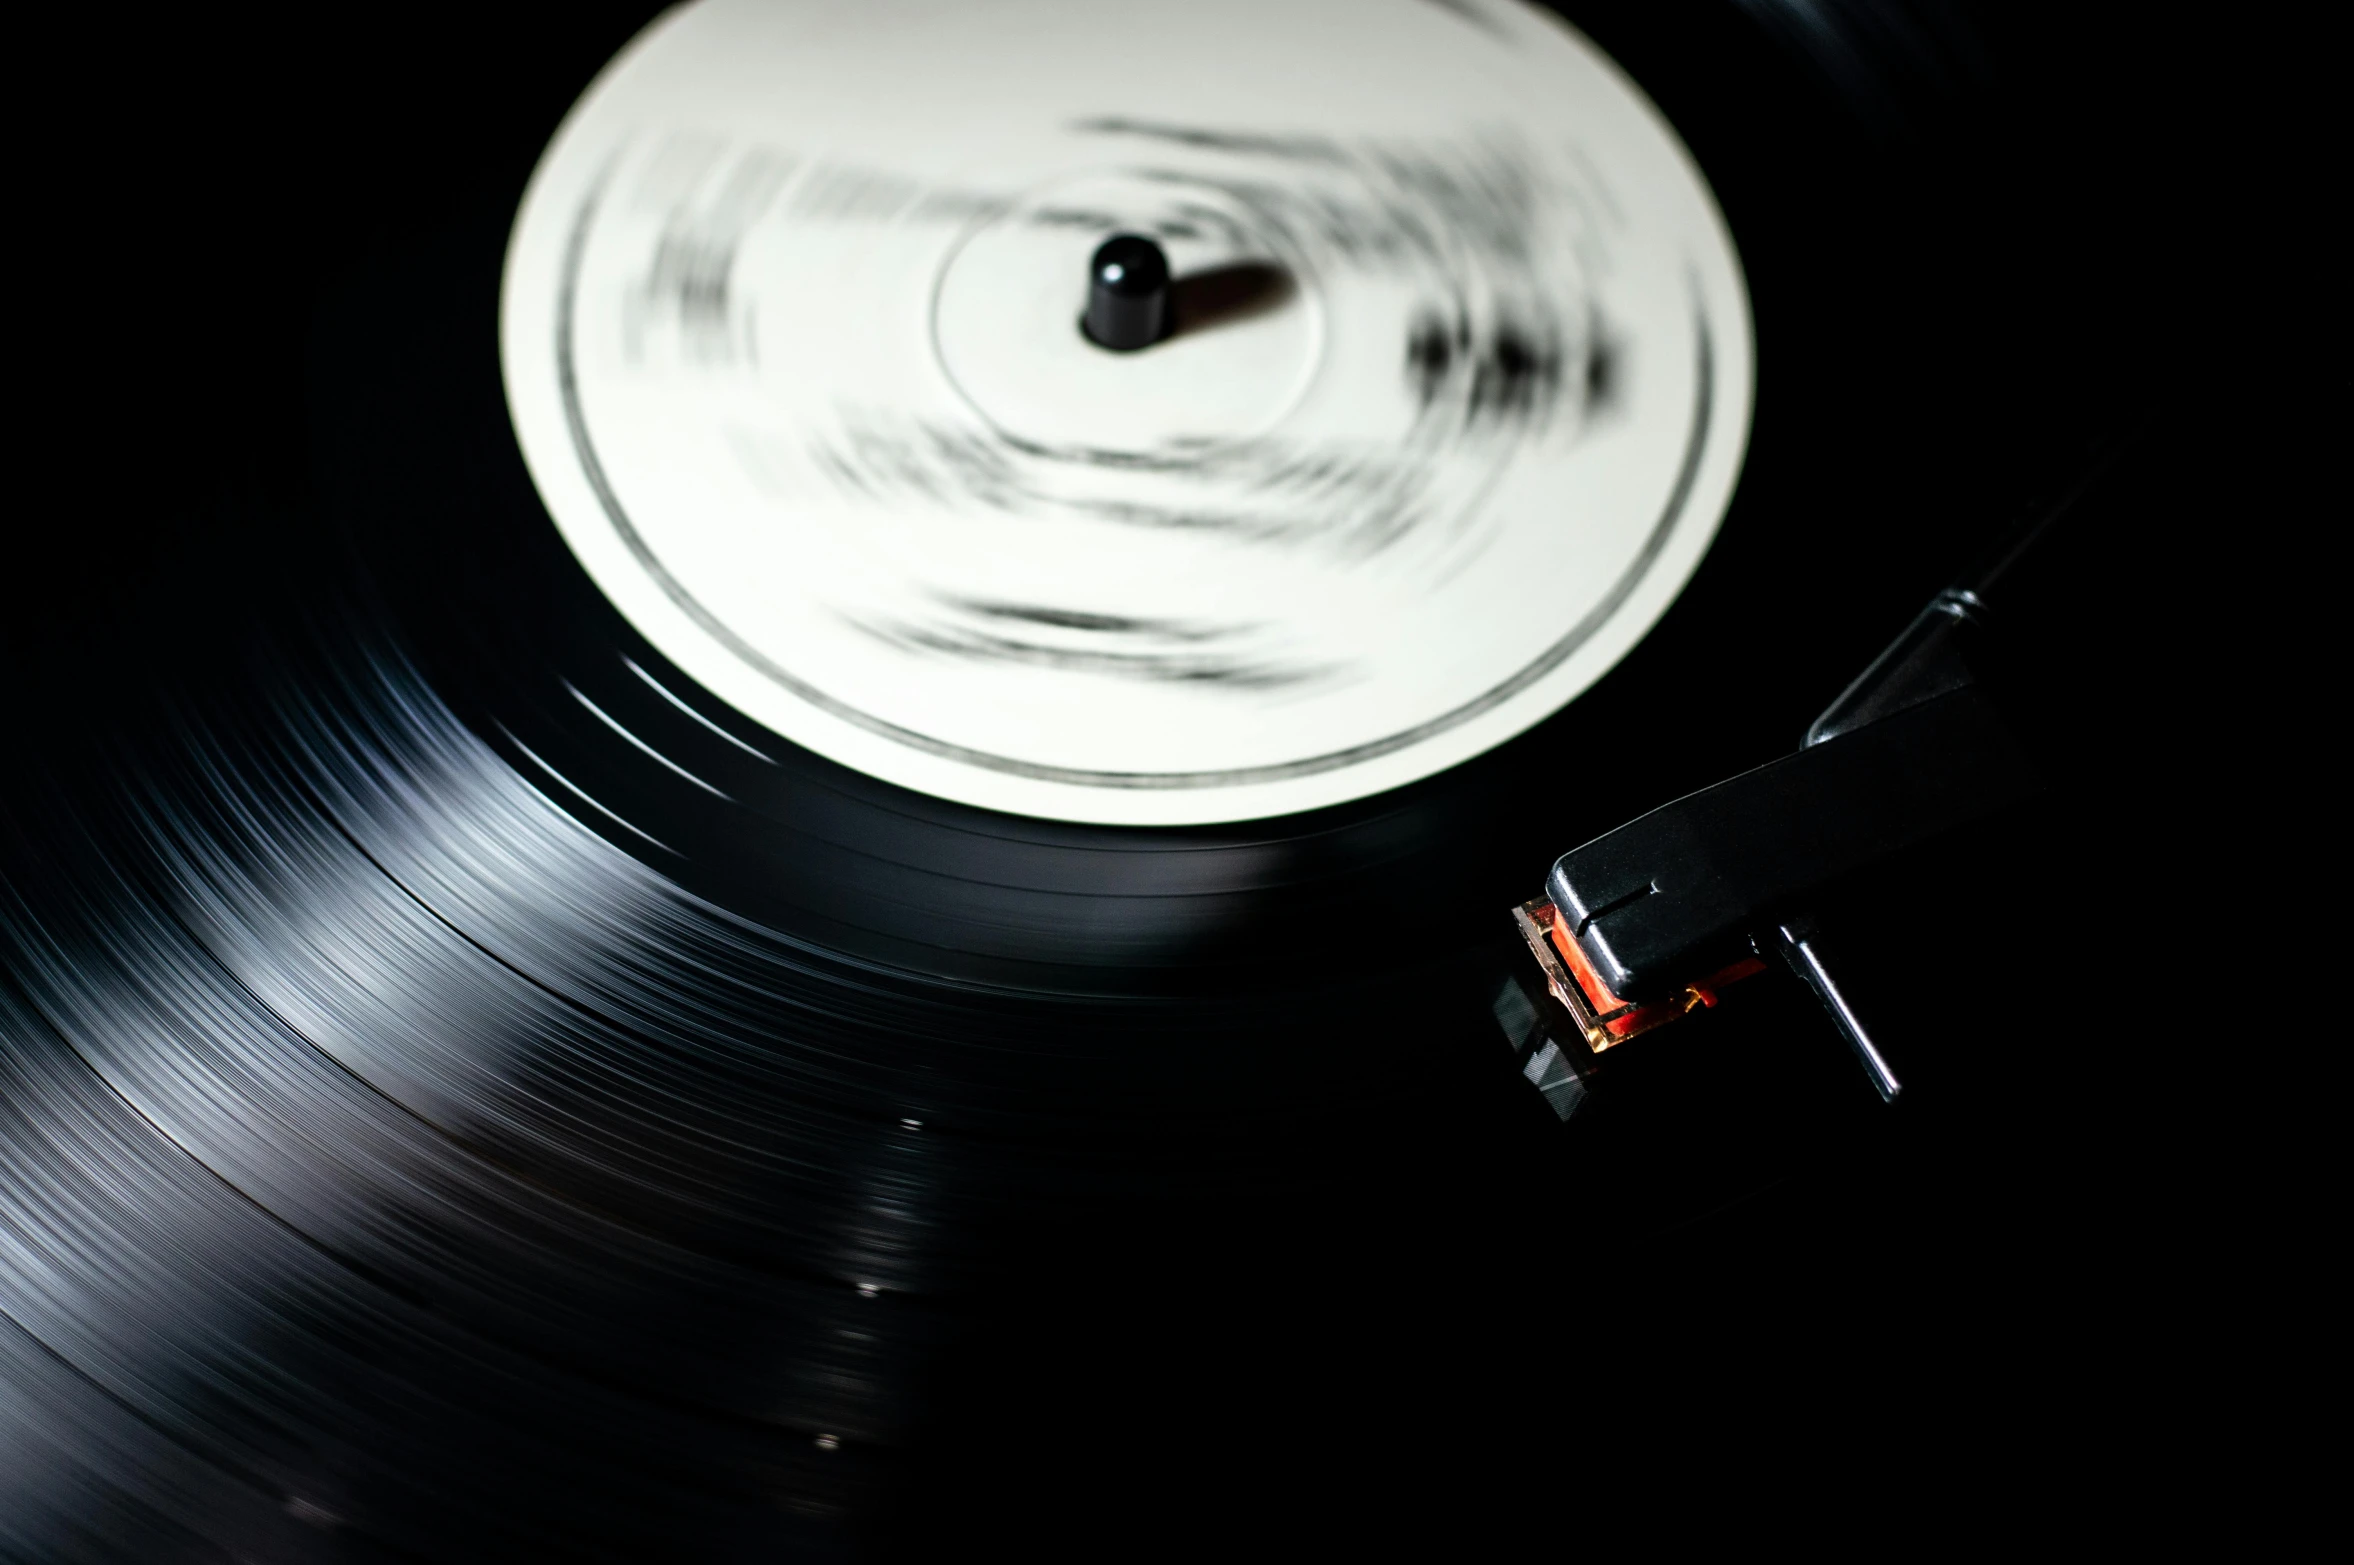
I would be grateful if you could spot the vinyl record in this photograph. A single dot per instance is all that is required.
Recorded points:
(681, 880)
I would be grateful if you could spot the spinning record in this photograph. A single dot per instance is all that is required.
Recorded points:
(764, 803)
(1458, 388)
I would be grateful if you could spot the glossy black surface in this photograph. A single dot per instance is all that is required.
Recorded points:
(1127, 294)
(433, 1129)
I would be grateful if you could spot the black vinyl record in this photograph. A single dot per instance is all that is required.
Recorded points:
(470, 1091)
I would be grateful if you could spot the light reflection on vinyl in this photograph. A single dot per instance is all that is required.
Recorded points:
(488, 1070)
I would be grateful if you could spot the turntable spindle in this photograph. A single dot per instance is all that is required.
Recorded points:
(1127, 294)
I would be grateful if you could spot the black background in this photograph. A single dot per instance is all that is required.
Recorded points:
(1966, 244)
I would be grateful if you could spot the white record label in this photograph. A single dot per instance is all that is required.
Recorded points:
(1458, 392)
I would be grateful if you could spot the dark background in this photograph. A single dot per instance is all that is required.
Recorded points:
(1975, 244)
